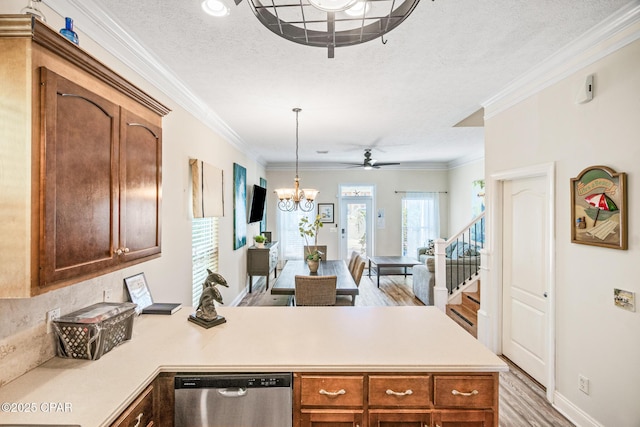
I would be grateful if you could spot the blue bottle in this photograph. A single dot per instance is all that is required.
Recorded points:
(68, 32)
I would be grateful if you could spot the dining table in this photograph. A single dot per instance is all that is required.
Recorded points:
(345, 285)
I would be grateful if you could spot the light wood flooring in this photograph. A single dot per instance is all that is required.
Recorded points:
(522, 400)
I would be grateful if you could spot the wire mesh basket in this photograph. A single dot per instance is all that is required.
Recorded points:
(95, 330)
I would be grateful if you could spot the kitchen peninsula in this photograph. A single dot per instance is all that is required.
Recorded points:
(371, 345)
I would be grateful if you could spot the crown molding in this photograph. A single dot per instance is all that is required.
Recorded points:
(93, 20)
(615, 30)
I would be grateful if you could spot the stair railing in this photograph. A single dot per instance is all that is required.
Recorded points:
(457, 260)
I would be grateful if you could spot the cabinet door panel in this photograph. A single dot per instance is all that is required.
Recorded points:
(140, 413)
(464, 391)
(79, 180)
(332, 390)
(463, 418)
(399, 390)
(331, 418)
(399, 418)
(140, 186)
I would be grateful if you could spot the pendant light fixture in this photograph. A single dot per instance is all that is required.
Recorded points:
(331, 23)
(292, 199)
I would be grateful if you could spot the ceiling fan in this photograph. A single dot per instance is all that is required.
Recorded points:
(370, 163)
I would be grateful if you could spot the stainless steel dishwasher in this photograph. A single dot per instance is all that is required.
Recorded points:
(233, 400)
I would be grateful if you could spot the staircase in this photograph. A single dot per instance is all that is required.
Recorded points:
(457, 274)
(465, 311)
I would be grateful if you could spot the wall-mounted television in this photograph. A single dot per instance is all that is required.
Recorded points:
(256, 207)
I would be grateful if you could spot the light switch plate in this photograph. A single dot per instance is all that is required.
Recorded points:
(624, 299)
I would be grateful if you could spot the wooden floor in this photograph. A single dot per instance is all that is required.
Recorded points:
(522, 400)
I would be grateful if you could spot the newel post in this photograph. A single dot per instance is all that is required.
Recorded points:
(440, 292)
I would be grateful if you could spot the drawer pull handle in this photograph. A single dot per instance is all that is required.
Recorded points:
(332, 393)
(138, 419)
(460, 393)
(399, 393)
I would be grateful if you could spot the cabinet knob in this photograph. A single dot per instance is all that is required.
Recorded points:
(399, 393)
(332, 393)
(126, 250)
(138, 419)
(118, 251)
(460, 393)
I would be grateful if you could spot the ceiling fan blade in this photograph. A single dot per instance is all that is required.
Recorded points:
(386, 164)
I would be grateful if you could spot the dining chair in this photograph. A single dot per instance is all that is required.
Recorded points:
(321, 248)
(352, 260)
(315, 290)
(358, 268)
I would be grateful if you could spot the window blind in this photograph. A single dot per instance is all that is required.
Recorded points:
(204, 253)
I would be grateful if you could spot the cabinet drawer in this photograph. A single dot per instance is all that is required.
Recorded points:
(322, 390)
(465, 391)
(139, 413)
(398, 391)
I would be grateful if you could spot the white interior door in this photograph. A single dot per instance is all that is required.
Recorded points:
(356, 226)
(525, 319)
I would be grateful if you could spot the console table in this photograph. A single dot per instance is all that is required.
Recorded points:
(262, 261)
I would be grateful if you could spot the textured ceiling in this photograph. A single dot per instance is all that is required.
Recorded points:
(401, 98)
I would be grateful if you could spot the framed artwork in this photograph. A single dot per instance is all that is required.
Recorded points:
(599, 208)
(239, 206)
(325, 210)
(263, 223)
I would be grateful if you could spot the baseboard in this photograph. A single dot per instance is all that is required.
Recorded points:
(239, 298)
(573, 413)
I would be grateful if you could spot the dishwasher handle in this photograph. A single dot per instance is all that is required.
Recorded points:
(232, 392)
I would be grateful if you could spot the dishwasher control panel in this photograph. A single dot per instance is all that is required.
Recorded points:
(233, 380)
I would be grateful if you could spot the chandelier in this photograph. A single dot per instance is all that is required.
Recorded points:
(331, 23)
(291, 199)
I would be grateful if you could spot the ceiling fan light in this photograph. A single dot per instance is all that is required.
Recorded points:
(358, 9)
(332, 5)
(215, 8)
(368, 167)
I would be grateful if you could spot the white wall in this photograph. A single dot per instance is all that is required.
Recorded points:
(24, 343)
(594, 338)
(460, 195)
(388, 240)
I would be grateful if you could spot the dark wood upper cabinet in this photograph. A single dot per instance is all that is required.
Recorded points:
(140, 186)
(80, 184)
(82, 164)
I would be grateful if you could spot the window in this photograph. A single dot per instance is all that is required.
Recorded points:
(291, 243)
(420, 221)
(204, 253)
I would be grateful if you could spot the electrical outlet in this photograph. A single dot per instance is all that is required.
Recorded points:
(51, 316)
(107, 295)
(583, 384)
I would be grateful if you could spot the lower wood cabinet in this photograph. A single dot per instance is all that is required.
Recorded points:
(331, 418)
(399, 418)
(461, 418)
(395, 400)
(140, 413)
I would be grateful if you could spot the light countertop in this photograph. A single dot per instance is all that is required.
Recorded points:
(254, 339)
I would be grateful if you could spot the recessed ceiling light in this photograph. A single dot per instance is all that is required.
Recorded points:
(322, 151)
(215, 8)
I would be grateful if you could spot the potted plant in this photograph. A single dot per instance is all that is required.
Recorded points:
(309, 230)
(259, 239)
